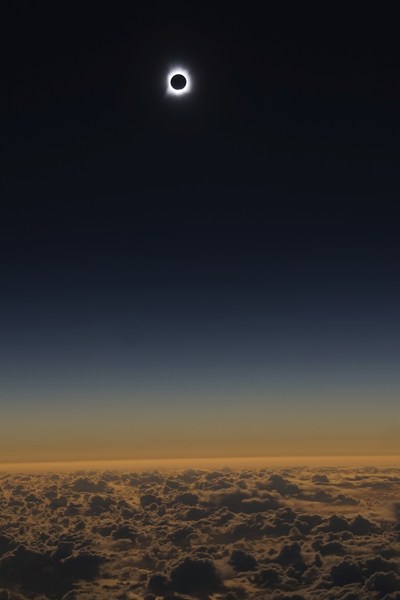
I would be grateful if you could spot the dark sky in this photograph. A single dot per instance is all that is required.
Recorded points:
(255, 217)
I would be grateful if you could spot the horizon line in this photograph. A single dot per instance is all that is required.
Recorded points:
(141, 463)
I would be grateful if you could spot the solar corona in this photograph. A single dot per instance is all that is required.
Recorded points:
(178, 82)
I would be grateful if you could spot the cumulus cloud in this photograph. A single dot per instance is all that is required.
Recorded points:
(230, 534)
(195, 577)
(242, 561)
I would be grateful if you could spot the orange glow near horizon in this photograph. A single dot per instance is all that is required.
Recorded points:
(298, 426)
(205, 462)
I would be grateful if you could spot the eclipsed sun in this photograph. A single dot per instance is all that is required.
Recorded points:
(178, 82)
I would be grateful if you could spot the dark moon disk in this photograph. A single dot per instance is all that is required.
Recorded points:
(178, 82)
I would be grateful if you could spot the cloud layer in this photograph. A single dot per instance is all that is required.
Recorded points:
(288, 534)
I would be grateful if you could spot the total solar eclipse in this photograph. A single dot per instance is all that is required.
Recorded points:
(178, 82)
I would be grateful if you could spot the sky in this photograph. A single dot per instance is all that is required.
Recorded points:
(208, 275)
